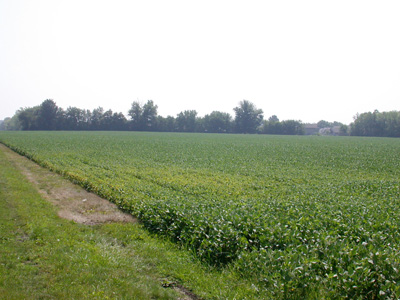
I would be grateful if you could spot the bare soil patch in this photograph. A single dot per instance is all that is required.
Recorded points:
(73, 202)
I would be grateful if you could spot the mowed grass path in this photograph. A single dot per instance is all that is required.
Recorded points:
(302, 217)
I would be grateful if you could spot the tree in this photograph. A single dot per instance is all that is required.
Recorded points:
(106, 120)
(186, 121)
(376, 124)
(217, 122)
(273, 119)
(75, 118)
(47, 115)
(61, 123)
(366, 125)
(97, 115)
(336, 123)
(143, 117)
(391, 123)
(166, 124)
(292, 127)
(149, 116)
(27, 118)
(288, 127)
(118, 122)
(247, 117)
(135, 113)
(343, 130)
(324, 124)
(271, 127)
(10, 123)
(86, 119)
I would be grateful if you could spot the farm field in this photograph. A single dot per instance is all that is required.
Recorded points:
(43, 256)
(302, 217)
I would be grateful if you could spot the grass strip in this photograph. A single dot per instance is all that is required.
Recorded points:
(45, 257)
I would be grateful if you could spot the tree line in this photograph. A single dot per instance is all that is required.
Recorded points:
(144, 117)
(385, 124)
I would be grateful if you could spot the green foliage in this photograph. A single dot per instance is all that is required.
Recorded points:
(11, 123)
(326, 124)
(186, 121)
(47, 117)
(301, 216)
(143, 117)
(45, 257)
(385, 124)
(247, 117)
(288, 127)
(28, 118)
(218, 122)
(343, 130)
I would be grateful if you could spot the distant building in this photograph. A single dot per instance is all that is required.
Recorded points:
(311, 129)
(325, 131)
(335, 130)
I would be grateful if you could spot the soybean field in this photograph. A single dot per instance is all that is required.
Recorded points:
(302, 217)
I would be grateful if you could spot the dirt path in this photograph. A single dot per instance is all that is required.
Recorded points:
(72, 201)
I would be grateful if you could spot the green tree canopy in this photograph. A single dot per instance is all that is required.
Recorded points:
(324, 124)
(376, 124)
(47, 115)
(143, 117)
(149, 115)
(217, 122)
(135, 113)
(273, 118)
(28, 118)
(186, 121)
(247, 117)
(288, 127)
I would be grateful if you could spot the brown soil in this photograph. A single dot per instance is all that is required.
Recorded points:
(73, 202)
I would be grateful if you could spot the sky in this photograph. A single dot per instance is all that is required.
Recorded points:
(303, 60)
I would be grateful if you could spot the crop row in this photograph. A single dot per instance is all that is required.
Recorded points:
(303, 216)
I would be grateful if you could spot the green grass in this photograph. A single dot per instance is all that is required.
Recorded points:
(45, 257)
(300, 217)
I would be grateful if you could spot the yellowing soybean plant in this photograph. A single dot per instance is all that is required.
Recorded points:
(302, 216)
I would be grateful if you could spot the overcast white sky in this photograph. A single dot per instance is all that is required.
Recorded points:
(304, 60)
